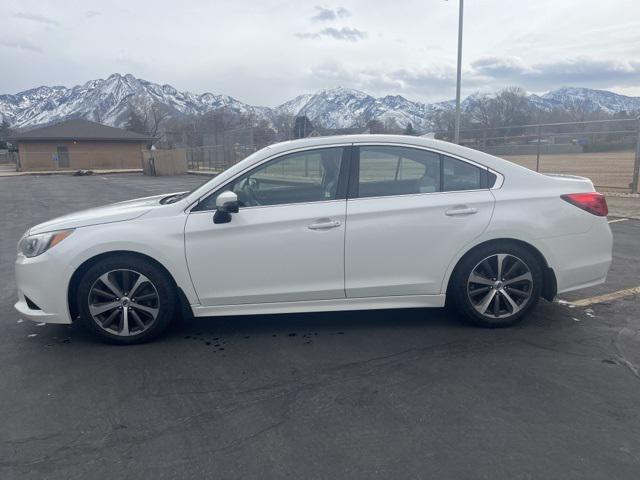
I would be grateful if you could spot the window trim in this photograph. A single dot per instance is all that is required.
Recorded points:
(341, 191)
(354, 176)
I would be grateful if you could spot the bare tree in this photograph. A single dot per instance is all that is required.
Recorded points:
(580, 110)
(444, 123)
(136, 121)
(263, 134)
(391, 126)
(509, 107)
(147, 118)
(283, 125)
(156, 116)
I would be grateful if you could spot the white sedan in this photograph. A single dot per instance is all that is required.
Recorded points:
(323, 224)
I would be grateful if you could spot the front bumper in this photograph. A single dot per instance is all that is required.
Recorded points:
(44, 280)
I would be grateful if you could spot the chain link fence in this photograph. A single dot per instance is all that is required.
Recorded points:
(216, 158)
(9, 161)
(606, 151)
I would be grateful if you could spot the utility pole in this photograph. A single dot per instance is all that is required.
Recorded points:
(456, 138)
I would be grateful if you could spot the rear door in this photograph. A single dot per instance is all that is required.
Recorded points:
(409, 212)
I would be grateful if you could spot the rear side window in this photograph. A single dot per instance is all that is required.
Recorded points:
(388, 171)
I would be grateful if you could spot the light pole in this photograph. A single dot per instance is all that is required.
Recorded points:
(456, 136)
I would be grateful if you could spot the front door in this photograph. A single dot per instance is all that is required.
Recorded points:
(409, 212)
(285, 244)
(63, 157)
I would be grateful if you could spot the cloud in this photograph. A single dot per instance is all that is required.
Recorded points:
(92, 13)
(425, 83)
(345, 34)
(20, 45)
(325, 14)
(34, 17)
(500, 66)
(485, 74)
(577, 71)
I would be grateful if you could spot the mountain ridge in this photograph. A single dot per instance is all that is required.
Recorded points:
(108, 101)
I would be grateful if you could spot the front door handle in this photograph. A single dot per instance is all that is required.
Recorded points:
(461, 210)
(324, 224)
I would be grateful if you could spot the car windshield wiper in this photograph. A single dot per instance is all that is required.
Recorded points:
(173, 198)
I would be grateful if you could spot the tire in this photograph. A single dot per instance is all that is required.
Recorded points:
(118, 316)
(488, 300)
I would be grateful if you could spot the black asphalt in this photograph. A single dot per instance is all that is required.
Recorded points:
(385, 394)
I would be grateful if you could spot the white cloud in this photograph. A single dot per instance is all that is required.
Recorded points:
(345, 33)
(325, 14)
(580, 71)
(20, 44)
(250, 49)
(34, 17)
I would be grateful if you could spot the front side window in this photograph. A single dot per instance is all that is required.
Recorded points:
(308, 176)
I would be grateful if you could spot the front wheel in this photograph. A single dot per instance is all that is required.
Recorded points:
(126, 300)
(497, 285)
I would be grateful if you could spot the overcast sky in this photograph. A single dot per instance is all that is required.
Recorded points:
(265, 52)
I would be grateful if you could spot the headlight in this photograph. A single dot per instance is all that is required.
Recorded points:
(34, 245)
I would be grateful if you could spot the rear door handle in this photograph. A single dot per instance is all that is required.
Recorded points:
(324, 224)
(461, 210)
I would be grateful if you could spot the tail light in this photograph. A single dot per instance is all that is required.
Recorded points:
(592, 202)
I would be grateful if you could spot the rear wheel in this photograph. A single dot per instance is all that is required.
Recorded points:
(497, 285)
(126, 300)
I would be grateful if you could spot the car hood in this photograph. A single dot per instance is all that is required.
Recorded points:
(115, 212)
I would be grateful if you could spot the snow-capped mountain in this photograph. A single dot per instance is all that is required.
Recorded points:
(108, 101)
(591, 100)
(344, 107)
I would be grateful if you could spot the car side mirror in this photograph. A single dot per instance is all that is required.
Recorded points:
(226, 204)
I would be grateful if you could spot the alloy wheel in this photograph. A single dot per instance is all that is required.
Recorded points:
(500, 286)
(124, 302)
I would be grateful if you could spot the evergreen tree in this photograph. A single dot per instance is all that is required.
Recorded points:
(5, 133)
(409, 130)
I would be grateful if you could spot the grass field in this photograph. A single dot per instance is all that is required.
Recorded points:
(609, 171)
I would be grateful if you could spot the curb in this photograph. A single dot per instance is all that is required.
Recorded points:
(203, 173)
(68, 172)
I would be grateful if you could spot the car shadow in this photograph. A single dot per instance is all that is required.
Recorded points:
(547, 320)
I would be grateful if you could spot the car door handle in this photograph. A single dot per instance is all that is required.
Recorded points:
(324, 224)
(461, 210)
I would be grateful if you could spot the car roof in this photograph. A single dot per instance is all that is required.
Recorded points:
(500, 165)
(440, 145)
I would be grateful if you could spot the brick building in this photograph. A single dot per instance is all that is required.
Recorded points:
(80, 144)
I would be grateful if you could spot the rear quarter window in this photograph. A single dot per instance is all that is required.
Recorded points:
(458, 175)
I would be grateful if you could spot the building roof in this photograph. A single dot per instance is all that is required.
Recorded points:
(81, 130)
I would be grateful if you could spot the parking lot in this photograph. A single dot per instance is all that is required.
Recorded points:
(377, 394)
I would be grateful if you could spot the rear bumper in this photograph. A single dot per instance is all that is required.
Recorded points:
(581, 260)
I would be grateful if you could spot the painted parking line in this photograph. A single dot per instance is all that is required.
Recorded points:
(608, 297)
(618, 220)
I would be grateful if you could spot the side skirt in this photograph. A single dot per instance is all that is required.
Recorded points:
(339, 304)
